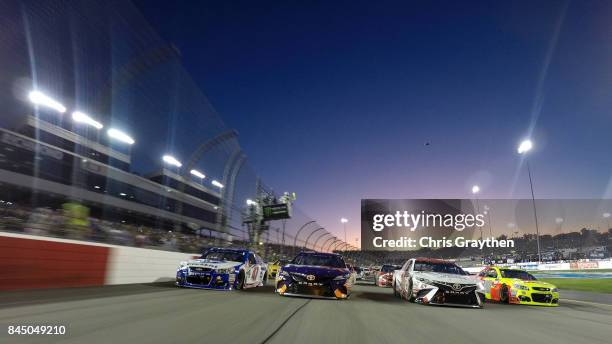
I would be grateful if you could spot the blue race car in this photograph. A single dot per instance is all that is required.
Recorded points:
(314, 274)
(223, 269)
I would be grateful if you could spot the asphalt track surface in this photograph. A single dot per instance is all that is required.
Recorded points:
(162, 313)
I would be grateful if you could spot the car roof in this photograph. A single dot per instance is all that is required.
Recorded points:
(313, 253)
(507, 268)
(433, 260)
(237, 250)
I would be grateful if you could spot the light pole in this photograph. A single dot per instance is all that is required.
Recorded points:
(475, 191)
(524, 148)
(344, 221)
(487, 211)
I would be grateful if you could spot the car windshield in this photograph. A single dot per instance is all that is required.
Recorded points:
(518, 274)
(389, 268)
(446, 268)
(232, 256)
(319, 260)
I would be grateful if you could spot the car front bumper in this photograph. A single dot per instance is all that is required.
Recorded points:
(209, 280)
(438, 296)
(321, 290)
(534, 298)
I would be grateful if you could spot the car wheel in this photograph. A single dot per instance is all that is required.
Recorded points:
(240, 281)
(503, 294)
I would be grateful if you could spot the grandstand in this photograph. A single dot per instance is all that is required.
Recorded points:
(92, 99)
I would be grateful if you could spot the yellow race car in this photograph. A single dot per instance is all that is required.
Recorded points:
(507, 285)
(274, 268)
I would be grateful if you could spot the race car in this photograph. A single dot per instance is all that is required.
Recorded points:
(437, 282)
(224, 269)
(316, 275)
(384, 277)
(359, 273)
(517, 286)
(273, 268)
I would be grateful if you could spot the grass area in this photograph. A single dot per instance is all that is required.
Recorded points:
(599, 285)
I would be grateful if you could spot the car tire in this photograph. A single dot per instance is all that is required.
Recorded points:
(240, 281)
(503, 294)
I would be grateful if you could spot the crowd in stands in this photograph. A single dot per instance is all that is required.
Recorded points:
(63, 223)
(73, 221)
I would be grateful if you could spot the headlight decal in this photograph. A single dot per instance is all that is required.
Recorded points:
(520, 286)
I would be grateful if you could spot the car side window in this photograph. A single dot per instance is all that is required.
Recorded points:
(492, 273)
(483, 273)
(252, 259)
(406, 264)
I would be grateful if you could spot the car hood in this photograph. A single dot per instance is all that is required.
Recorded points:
(445, 278)
(212, 264)
(531, 283)
(320, 271)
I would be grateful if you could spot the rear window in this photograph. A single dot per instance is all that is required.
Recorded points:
(389, 268)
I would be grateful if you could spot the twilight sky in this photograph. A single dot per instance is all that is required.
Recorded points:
(336, 100)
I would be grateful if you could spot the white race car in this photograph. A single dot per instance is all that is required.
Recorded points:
(437, 282)
(223, 268)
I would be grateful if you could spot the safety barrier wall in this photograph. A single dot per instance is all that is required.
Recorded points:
(139, 265)
(31, 262)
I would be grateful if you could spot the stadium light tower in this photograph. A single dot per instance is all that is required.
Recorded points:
(120, 136)
(42, 99)
(170, 160)
(84, 118)
(198, 174)
(523, 149)
(344, 221)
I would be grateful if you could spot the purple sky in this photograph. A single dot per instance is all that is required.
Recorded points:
(336, 101)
